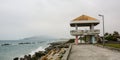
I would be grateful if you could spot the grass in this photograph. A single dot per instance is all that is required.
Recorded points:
(113, 45)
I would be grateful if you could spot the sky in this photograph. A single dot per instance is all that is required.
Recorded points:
(25, 18)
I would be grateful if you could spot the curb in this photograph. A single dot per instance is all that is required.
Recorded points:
(66, 55)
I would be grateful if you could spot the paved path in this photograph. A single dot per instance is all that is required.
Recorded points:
(90, 52)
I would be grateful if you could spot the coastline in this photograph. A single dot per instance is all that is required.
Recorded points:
(38, 49)
(53, 50)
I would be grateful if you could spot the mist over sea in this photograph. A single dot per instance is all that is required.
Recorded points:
(10, 49)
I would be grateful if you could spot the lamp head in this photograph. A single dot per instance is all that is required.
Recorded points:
(100, 15)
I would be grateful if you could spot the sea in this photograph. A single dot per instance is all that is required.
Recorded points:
(10, 49)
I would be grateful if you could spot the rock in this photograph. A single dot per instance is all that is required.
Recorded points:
(70, 41)
(55, 43)
(29, 57)
(25, 57)
(34, 58)
(58, 58)
(44, 58)
(5, 44)
(66, 46)
(16, 58)
(49, 48)
(25, 43)
(38, 55)
(21, 58)
(54, 52)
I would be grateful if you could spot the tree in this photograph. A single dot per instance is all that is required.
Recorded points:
(115, 35)
(109, 37)
(112, 37)
(106, 34)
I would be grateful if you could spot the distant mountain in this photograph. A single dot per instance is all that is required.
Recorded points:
(38, 38)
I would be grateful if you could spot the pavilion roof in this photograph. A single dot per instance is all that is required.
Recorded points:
(84, 17)
(84, 20)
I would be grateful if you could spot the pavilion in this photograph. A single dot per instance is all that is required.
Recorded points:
(85, 21)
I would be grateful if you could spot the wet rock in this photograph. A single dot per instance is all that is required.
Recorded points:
(5, 44)
(24, 43)
(21, 58)
(38, 55)
(16, 58)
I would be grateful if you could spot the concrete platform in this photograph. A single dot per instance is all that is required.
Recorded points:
(91, 52)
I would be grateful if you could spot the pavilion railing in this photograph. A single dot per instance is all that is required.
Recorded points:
(84, 32)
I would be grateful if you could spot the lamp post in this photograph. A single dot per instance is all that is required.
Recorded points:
(103, 29)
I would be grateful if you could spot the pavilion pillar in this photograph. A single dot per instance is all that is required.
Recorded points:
(76, 37)
(76, 40)
(92, 37)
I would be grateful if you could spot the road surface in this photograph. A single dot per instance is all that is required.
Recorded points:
(91, 52)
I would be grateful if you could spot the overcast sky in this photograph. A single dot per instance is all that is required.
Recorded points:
(25, 18)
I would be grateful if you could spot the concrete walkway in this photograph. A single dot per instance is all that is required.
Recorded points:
(90, 52)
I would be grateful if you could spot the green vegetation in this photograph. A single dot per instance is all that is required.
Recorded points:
(112, 37)
(113, 45)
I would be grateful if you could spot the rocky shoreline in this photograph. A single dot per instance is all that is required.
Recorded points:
(55, 51)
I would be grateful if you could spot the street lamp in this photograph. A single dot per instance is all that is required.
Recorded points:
(103, 29)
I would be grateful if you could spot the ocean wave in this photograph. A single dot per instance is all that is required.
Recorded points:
(14, 44)
(33, 52)
(38, 49)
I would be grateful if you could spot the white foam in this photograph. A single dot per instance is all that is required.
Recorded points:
(38, 49)
(33, 52)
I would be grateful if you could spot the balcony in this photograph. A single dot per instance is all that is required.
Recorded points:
(84, 32)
